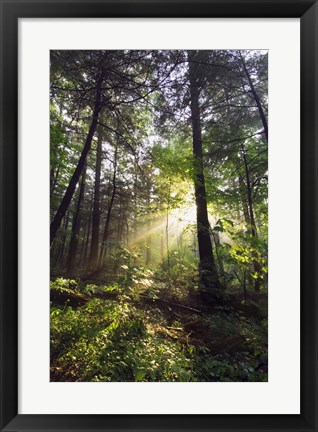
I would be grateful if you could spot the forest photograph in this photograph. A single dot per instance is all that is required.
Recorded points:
(158, 215)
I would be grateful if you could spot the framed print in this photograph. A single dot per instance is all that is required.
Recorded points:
(171, 149)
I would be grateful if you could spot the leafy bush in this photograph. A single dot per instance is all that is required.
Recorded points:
(108, 341)
(63, 285)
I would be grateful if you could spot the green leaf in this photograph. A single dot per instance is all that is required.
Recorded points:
(140, 375)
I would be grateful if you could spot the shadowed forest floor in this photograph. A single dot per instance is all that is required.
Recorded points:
(147, 331)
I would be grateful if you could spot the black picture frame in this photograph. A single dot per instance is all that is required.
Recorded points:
(11, 11)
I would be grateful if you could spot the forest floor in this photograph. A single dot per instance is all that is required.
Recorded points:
(149, 330)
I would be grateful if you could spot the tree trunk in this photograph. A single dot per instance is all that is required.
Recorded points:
(135, 227)
(76, 227)
(249, 193)
(148, 246)
(148, 236)
(251, 216)
(83, 240)
(60, 257)
(103, 251)
(93, 257)
(244, 202)
(87, 241)
(208, 274)
(167, 233)
(77, 173)
(162, 235)
(121, 223)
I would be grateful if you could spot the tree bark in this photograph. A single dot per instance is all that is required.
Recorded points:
(251, 216)
(148, 246)
(242, 190)
(60, 256)
(249, 193)
(93, 257)
(76, 227)
(103, 252)
(87, 239)
(148, 237)
(208, 274)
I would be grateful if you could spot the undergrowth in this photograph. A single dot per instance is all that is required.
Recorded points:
(128, 332)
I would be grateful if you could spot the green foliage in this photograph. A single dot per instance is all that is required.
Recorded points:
(92, 290)
(121, 339)
(63, 284)
(229, 368)
(239, 252)
(108, 341)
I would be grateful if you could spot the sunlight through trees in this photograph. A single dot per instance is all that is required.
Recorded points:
(159, 210)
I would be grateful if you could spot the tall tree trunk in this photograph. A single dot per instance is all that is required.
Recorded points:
(103, 251)
(135, 227)
(249, 193)
(76, 227)
(87, 240)
(120, 225)
(162, 235)
(216, 241)
(77, 173)
(83, 240)
(148, 237)
(52, 180)
(148, 246)
(256, 264)
(167, 233)
(93, 257)
(243, 194)
(208, 275)
(60, 257)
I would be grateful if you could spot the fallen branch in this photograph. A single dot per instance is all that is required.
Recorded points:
(171, 304)
(73, 298)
